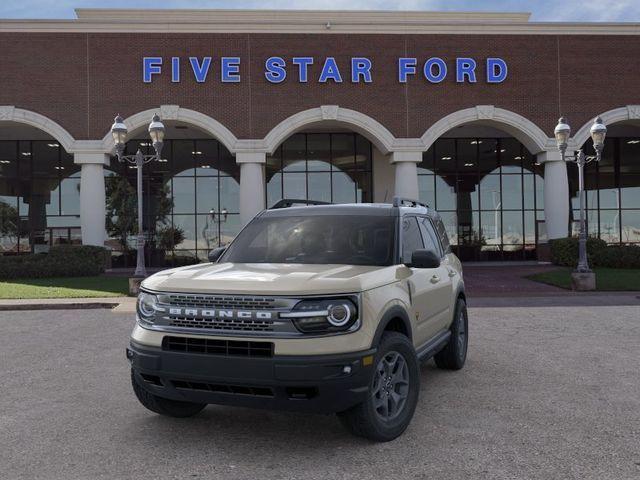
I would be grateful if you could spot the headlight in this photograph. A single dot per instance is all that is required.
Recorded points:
(146, 306)
(324, 315)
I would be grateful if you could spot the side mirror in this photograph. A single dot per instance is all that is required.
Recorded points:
(215, 254)
(424, 259)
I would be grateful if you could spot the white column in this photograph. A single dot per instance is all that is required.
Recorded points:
(556, 194)
(252, 194)
(406, 165)
(92, 197)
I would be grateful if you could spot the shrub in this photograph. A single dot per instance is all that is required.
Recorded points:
(565, 252)
(61, 261)
(618, 256)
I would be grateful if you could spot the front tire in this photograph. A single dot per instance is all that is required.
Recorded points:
(393, 392)
(454, 355)
(164, 406)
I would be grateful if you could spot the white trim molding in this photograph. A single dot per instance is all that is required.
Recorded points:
(310, 21)
(180, 114)
(373, 130)
(527, 132)
(621, 114)
(10, 113)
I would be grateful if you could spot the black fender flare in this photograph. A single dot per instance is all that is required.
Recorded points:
(393, 312)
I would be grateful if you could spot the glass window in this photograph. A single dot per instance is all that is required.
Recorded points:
(512, 192)
(184, 200)
(467, 154)
(442, 235)
(511, 155)
(343, 186)
(229, 194)
(315, 239)
(70, 196)
(411, 238)
(427, 164)
(343, 151)
(426, 188)
(274, 189)
(630, 226)
(363, 153)
(445, 156)
(445, 194)
(512, 230)
(183, 153)
(429, 236)
(294, 153)
(610, 225)
(319, 152)
(330, 167)
(206, 194)
(294, 185)
(487, 155)
(320, 186)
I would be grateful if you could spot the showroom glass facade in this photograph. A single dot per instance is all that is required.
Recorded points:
(329, 167)
(489, 192)
(612, 189)
(39, 196)
(194, 189)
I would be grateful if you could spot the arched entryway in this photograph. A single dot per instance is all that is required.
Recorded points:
(191, 197)
(325, 154)
(482, 174)
(613, 185)
(39, 184)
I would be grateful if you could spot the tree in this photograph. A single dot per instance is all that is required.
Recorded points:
(122, 208)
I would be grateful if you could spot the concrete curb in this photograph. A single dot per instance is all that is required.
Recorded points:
(111, 303)
(57, 306)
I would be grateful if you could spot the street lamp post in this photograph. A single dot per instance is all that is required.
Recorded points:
(156, 132)
(598, 132)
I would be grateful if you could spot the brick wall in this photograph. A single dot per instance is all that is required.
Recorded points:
(82, 80)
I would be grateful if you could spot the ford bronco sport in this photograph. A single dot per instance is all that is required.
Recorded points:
(320, 308)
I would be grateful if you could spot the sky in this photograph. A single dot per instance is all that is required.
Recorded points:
(542, 10)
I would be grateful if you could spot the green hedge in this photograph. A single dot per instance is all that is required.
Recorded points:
(61, 261)
(565, 252)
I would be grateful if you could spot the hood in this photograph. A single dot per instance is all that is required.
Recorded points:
(270, 278)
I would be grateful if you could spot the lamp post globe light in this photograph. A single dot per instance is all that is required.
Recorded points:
(119, 133)
(582, 278)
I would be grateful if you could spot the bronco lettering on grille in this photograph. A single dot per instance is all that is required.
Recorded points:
(211, 313)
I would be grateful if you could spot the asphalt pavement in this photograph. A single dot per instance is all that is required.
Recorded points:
(547, 393)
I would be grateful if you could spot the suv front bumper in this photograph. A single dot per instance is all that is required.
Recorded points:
(318, 383)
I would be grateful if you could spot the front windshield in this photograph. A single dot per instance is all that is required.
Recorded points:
(331, 239)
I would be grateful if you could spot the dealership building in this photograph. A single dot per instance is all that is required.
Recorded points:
(455, 109)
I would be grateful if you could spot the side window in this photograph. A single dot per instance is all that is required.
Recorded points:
(411, 238)
(429, 236)
(442, 234)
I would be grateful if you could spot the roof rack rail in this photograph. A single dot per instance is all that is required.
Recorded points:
(292, 202)
(402, 202)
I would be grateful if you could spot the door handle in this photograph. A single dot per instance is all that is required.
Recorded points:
(452, 273)
(435, 279)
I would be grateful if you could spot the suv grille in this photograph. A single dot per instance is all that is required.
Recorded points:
(222, 324)
(215, 301)
(218, 347)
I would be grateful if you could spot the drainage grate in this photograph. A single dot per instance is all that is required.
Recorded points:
(218, 347)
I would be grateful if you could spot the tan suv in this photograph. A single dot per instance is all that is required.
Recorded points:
(318, 308)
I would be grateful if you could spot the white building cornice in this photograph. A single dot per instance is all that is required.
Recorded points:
(311, 21)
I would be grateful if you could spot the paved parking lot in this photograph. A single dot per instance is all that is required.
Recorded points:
(550, 392)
